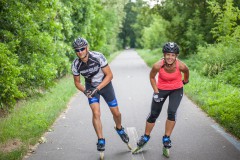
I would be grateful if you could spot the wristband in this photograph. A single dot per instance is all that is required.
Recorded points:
(185, 82)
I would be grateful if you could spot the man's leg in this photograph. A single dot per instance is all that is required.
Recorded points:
(96, 120)
(116, 116)
(120, 130)
(109, 96)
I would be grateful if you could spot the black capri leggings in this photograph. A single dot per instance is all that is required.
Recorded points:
(175, 97)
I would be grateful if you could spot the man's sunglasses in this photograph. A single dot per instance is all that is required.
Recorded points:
(80, 50)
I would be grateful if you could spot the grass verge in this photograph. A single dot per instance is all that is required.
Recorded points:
(26, 124)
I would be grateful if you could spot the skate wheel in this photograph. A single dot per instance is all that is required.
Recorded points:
(166, 152)
(101, 155)
(129, 147)
(136, 150)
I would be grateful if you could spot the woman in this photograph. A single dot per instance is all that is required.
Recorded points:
(169, 84)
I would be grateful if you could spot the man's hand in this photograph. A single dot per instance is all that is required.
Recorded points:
(156, 97)
(91, 92)
(87, 92)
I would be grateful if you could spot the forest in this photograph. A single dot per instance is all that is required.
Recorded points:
(36, 37)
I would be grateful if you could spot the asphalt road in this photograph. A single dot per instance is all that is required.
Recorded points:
(195, 137)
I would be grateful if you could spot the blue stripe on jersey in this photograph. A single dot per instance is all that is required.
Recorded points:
(113, 103)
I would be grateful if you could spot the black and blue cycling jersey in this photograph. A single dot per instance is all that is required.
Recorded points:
(91, 70)
(93, 74)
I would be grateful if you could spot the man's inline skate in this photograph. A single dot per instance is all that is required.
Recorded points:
(101, 147)
(123, 135)
(166, 146)
(141, 143)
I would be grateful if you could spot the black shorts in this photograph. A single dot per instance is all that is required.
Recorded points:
(175, 97)
(107, 93)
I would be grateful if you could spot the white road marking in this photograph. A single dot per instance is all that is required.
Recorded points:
(133, 137)
(231, 139)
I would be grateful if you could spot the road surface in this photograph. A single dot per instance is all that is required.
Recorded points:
(195, 137)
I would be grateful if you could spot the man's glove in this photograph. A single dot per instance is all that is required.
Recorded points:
(156, 97)
(91, 92)
(184, 82)
(87, 92)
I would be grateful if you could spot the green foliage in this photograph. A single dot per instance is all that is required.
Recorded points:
(113, 12)
(217, 58)
(38, 36)
(127, 34)
(9, 79)
(193, 36)
(38, 61)
(231, 75)
(226, 22)
(189, 23)
(154, 36)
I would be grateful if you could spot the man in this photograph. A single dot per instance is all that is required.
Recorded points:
(94, 67)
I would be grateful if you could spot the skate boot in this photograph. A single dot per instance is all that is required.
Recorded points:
(123, 136)
(101, 147)
(141, 143)
(166, 145)
(101, 144)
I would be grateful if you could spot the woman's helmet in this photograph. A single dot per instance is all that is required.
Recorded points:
(79, 43)
(170, 47)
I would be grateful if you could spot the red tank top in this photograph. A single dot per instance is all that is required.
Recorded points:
(169, 81)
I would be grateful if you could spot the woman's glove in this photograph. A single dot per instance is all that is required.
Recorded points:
(156, 97)
(184, 82)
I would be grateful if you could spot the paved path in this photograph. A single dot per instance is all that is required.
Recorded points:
(195, 137)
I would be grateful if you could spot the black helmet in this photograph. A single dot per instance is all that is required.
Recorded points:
(80, 43)
(170, 47)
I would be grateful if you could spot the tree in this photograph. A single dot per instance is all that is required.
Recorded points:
(127, 34)
(226, 26)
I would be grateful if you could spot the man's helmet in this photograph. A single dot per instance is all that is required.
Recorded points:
(170, 47)
(79, 43)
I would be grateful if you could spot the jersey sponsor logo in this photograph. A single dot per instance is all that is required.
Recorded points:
(93, 69)
(92, 64)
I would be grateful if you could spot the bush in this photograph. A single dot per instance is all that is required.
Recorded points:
(154, 36)
(217, 58)
(231, 76)
(9, 78)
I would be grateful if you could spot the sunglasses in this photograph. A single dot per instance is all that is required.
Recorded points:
(80, 50)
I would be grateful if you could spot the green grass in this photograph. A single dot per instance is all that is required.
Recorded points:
(31, 118)
(150, 56)
(220, 101)
(34, 117)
